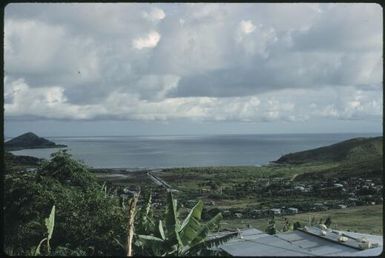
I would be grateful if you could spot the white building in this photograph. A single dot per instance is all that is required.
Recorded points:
(292, 210)
(276, 211)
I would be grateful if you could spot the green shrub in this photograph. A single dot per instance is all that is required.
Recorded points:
(87, 220)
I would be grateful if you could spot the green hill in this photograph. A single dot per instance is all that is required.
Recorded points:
(18, 160)
(29, 141)
(356, 149)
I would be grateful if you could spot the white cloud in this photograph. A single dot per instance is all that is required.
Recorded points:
(242, 62)
(288, 105)
(149, 41)
(155, 14)
(44, 102)
(31, 40)
(50, 51)
(247, 27)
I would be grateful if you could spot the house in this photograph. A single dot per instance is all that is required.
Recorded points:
(292, 210)
(299, 188)
(210, 203)
(126, 190)
(238, 215)
(275, 211)
(226, 213)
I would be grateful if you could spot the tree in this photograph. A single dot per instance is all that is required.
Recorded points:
(170, 236)
(287, 226)
(328, 222)
(86, 219)
(66, 170)
(297, 225)
(131, 217)
(271, 227)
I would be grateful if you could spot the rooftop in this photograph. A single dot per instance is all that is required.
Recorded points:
(308, 242)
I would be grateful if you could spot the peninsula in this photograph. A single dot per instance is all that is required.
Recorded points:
(30, 141)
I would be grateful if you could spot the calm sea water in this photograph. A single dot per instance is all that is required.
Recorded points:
(186, 151)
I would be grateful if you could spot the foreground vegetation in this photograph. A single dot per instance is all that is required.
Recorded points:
(87, 218)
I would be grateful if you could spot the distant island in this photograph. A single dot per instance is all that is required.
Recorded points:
(30, 141)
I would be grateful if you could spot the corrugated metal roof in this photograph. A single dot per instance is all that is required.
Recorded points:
(262, 246)
(253, 242)
(372, 238)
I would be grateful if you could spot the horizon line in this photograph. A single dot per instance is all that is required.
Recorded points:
(208, 134)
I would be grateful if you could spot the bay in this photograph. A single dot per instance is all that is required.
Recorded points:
(186, 150)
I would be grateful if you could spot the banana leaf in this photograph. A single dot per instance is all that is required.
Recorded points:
(50, 223)
(206, 228)
(191, 225)
(172, 223)
(207, 244)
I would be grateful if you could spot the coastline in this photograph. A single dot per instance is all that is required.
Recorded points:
(34, 147)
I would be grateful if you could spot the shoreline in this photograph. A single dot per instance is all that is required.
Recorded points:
(126, 170)
(59, 146)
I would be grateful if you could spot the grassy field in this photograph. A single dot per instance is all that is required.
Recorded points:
(191, 181)
(239, 173)
(363, 219)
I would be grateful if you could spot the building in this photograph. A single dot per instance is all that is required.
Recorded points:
(238, 215)
(292, 210)
(275, 211)
(310, 241)
(299, 188)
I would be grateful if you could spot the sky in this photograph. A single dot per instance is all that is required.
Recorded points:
(169, 68)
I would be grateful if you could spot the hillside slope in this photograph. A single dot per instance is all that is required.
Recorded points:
(29, 141)
(14, 160)
(355, 149)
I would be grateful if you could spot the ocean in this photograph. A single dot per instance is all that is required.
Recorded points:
(188, 150)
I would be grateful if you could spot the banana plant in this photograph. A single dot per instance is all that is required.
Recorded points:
(49, 223)
(145, 220)
(180, 238)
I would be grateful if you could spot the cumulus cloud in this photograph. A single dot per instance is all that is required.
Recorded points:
(155, 14)
(50, 102)
(44, 102)
(241, 62)
(149, 41)
(247, 26)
